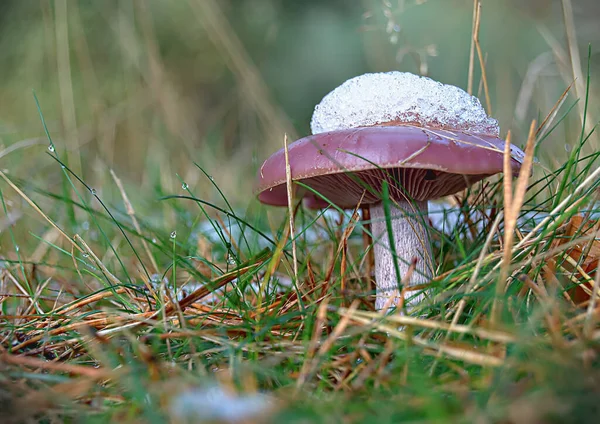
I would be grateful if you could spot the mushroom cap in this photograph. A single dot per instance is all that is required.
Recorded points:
(419, 163)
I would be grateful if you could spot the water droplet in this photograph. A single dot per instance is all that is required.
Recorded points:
(51, 148)
(210, 177)
(93, 191)
(396, 28)
(85, 225)
(85, 255)
(63, 167)
(184, 186)
(17, 248)
(154, 240)
(568, 147)
(173, 234)
(536, 159)
(155, 278)
(231, 259)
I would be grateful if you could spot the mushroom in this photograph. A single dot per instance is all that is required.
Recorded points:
(425, 139)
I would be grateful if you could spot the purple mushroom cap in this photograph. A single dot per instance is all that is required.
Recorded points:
(419, 163)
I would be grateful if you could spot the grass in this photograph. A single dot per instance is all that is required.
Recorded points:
(152, 304)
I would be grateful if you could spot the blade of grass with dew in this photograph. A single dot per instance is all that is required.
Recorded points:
(216, 186)
(114, 220)
(16, 247)
(52, 149)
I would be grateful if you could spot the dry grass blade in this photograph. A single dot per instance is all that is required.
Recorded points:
(550, 308)
(314, 342)
(217, 283)
(91, 372)
(21, 145)
(507, 181)
(513, 204)
(343, 243)
(573, 46)
(524, 173)
(328, 343)
(462, 354)
(290, 199)
(136, 225)
(96, 297)
(553, 112)
(484, 80)
(472, 49)
(590, 318)
(114, 280)
(561, 208)
(273, 265)
(19, 286)
(473, 283)
(373, 366)
(38, 210)
(483, 333)
(368, 258)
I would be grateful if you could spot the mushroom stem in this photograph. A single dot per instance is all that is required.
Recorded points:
(411, 241)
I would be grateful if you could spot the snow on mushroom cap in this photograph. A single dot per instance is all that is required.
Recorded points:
(372, 99)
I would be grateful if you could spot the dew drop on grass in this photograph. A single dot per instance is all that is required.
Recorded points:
(184, 186)
(154, 240)
(93, 191)
(85, 255)
(51, 148)
(173, 234)
(210, 177)
(568, 148)
(17, 248)
(372, 99)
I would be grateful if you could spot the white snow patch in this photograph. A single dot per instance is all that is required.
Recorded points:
(215, 404)
(372, 99)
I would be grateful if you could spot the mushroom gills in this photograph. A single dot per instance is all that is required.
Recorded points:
(430, 175)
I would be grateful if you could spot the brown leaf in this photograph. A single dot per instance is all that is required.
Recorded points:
(586, 253)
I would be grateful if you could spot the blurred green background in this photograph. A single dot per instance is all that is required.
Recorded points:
(148, 87)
